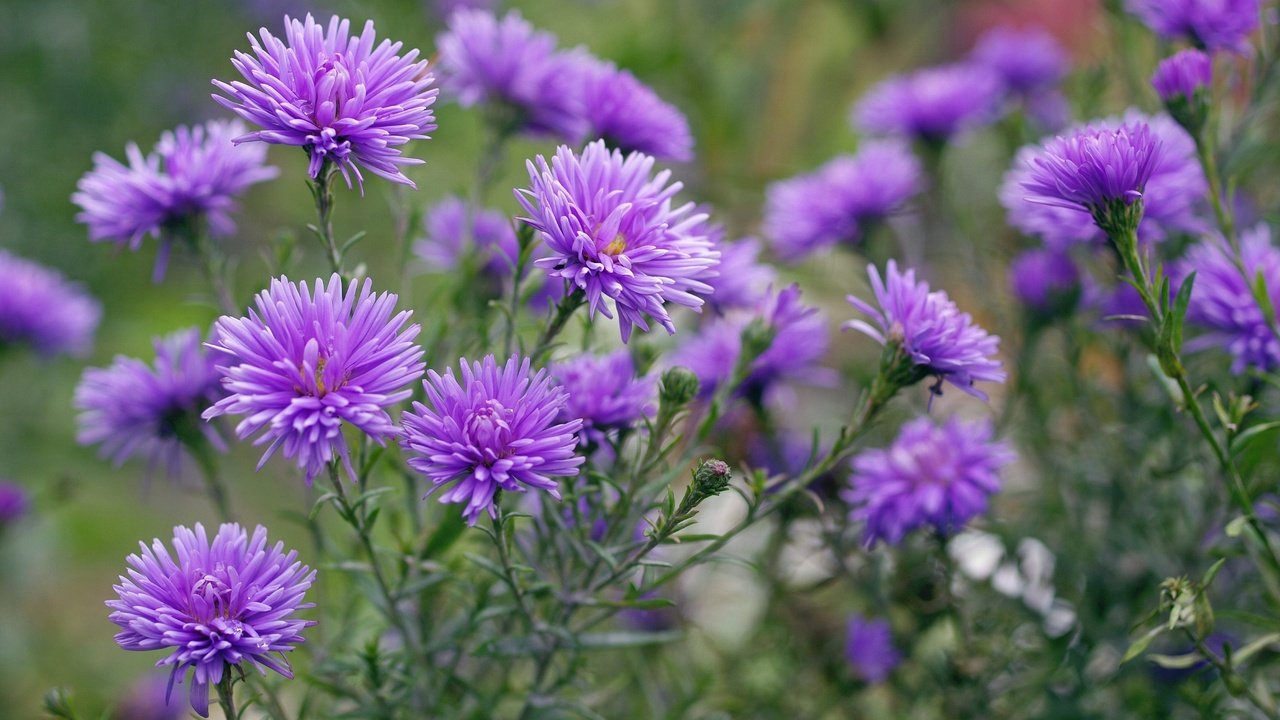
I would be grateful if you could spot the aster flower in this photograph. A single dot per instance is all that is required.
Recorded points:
(937, 338)
(133, 409)
(188, 182)
(604, 392)
(344, 101)
(933, 104)
(1172, 201)
(743, 279)
(40, 308)
(1183, 81)
(1210, 24)
(627, 114)
(230, 602)
(1044, 280)
(306, 362)
(869, 649)
(497, 429)
(1028, 60)
(841, 200)
(455, 230)
(1223, 302)
(14, 502)
(507, 64)
(611, 231)
(931, 476)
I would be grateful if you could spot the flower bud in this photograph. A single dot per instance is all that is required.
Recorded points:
(711, 478)
(1183, 82)
(678, 387)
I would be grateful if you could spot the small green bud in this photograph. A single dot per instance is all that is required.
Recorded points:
(711, 478)
(757, 338)
(678, 387)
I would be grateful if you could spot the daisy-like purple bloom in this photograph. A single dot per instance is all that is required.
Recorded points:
(604, 392)
(497, 429)
(230, 602)
(940, 340)
(191, 178)
(1044, 279)
(1031, 64)
(932, 105)
(456, 230)
(304, 362)
(1223, 303)
(507, 63)
(1182, 75)
(14, 502)
(869, 649)
(335, 95)
(931, 476)
(1172, 201)
(627, 114)
(1210, 24)
(839, 202)
(40, 308)
(612, 231)
(744, 279)
(134, 409)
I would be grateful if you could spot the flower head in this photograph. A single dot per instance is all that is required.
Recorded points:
(627, 114)
(14, 502)
(230, 602)
(306, 362)
(1210, 24)
(497, 429)
(933, 104)
(40, 308)
(938, 338)
(612, 231)
(1183, 81)
(191, 178)
(1028, 61)
(743, 279)
(455, 229)
(134, 409)
(869, 649)
(841, 200)
(1043, 280)
(604, 392)
(931, 476)
(335, 95)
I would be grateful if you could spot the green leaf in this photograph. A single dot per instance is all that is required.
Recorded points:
(1251, 433)
(1266, 622)
(1255, 647)
(623, 639)
(638, 604)
(1211, 573)
(1176, 662)
(320, 501)
(446, 534)
(1236, 527)
(1139, 646)
(1180, 304)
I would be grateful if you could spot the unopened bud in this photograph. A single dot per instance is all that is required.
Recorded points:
(711, 478)
(757, 338)
(678, 387)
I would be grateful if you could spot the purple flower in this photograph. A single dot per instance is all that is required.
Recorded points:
(743, 279)
(1095, 167)
(14, 502)
(840, 200)
(931, 476)
(189, 181)
(939, 339)
(305, 362)
(455, 230)
(133, 409)
(1210, 24)
(869, 649)
(1182, 75)
(496, 430)
(604, 392)
(611, 231)
(506, 62)
(1028, 61)
(1172, 199)
(335, 95)
(40, 308)
(1043, 279)
(230, 602)
(627, 114)
(933, 104)
(1223, 303)
(148, 699)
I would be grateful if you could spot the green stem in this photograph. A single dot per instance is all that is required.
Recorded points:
(322, 189)
(568, 305)
(1208, 160)
(508, 570)
(225, 696)
(214, 266)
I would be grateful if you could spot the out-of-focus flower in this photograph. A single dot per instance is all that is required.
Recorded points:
(335, 95)
(611, 231)
(133, 409)
(934, 334)
(1045, 281)
(40, 308)
(841, 200)
(149, 699)
(304, 363)
(1183, 82)
(190, 180)
(627, 114)
(1171, 202)
(931, 476)
(604, 392)
(869, 649)
(455, 229)
(496, 430)
(14, 502)
(743, 279)
(1031, 64)
(933, 104)
(1223, 302)
(1210, 24)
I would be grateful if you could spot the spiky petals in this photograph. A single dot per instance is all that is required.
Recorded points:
(305, 362)
(495, 430)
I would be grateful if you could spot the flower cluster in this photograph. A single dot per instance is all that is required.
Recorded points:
(41, 309)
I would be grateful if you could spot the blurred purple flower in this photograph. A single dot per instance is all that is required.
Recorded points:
(869, 649)
(496, 430)
(148, 699)
(1028, 61)
(604, 392)
(938, 338)
(627, 114)
(840, 200)
(304, 362)
(335, 95)
(190, 180)
(1042, 279)
(1210, 24)
(1181, 75)
(14, 502)
(40, 308)
(933, 104)
(931, 476)
(612, 232)
(455, 230)
(743, 279)
(133, 409)
(232, 602)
